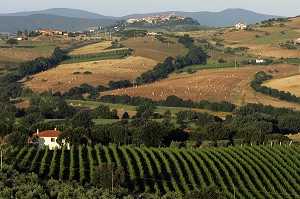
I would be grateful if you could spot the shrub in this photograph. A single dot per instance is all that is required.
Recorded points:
(87, 72)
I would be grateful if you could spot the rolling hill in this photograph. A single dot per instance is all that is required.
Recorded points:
(74, 19)
(46, 21)
(228, 17)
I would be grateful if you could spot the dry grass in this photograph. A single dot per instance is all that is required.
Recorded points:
(214, 85)
(62, 78)
(269, 51)
(290, 84)
(94, 48)
(239, 36)
(151, 48)
(295, 138)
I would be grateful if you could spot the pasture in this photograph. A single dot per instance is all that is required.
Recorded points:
(62, 78)
(225, 84)
(94, 48)
(152, 48)
(122, 108)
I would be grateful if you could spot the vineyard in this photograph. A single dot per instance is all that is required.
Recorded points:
(243, 172)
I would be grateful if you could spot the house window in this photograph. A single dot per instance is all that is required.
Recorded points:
(52, 139)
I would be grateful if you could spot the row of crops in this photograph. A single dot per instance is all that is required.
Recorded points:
(243, 172)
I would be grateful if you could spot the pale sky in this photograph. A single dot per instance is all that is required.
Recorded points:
(125, 7)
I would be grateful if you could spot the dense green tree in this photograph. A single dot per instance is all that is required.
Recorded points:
(12, 42)
(107, 176)
(145, 110)
(151, 134)
(82, 119)
(18, 139)
(125, 116)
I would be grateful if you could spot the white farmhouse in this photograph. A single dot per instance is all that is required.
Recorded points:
(47, 138)
(241, 26)
(260, 60)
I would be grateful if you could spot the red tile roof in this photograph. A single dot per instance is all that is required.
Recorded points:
(48, 133)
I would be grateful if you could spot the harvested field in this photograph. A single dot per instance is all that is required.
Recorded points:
(239, 36)
(269, 51)
(94, 48)
(290, 84)
(295, 137)
(214, 85)
(151, 48)
(62, 78)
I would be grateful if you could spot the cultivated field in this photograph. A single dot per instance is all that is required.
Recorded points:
(152, 48)
(267, 44)
(290, 84)
(62, 78)
(241, 172)
(214, 85)
(94, 48)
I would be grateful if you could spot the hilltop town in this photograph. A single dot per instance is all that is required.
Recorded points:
(156, 19)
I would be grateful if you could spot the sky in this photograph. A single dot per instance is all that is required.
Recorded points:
(125, 7)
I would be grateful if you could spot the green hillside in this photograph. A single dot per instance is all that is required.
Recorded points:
(246, 172)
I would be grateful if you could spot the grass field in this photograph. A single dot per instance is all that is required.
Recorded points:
(228, 84)
(94, 48)
(88, 59)
(290, 84)
(151, 48)
(62, 78)
(121, 108)
(266, 45)
(208, 66)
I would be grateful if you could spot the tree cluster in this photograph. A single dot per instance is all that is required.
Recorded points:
(260, 77)
(171, 101)
(41, 63)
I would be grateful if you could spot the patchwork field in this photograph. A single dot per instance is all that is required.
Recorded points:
(62, 78)
(214, 85)
(290, 84)
(152, 48)
(263, 41)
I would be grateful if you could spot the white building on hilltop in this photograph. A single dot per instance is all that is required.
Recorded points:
(241, 26)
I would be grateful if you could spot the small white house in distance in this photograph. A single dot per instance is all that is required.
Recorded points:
(241, 26)
(260, 60)
(47, 138)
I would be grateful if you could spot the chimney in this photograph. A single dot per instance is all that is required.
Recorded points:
(55, 129)
(37, 131)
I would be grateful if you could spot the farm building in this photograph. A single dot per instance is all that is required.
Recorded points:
(241, 26)
(260, 60)
(46, 138)
(297, 41)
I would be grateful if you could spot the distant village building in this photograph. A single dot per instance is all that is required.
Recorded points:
(46, 139)
(241, 26)
(155, 19)
(260, 60)
(50, 32)
(297, 41)
(4, 34)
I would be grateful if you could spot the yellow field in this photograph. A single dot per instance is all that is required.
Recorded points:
(62, 78)
(239, 36)
(290, 84)
(214, 85)
(295, 138)
(94, 48)
(151, 48)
